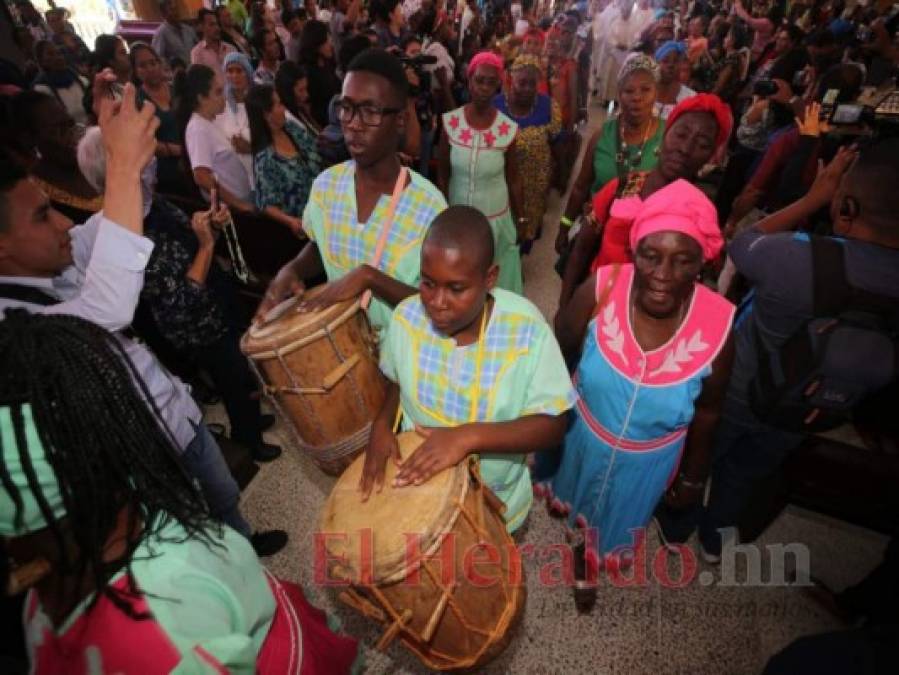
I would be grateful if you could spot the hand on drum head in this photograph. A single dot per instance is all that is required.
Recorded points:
(348, 287)
(382, 446)
(443, 447)
(285, 284)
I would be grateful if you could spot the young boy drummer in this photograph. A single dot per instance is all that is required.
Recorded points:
(352, 203)
(474, 369)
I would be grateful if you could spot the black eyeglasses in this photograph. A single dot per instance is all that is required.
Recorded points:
(371, 115)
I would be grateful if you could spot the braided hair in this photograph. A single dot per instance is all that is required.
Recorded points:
(110, 451)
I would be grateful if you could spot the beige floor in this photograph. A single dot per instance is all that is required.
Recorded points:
(705, 627)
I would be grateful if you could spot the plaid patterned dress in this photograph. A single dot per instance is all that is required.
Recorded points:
(331, 221)
(522, 373)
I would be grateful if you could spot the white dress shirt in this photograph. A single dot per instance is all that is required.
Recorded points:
(102, 286)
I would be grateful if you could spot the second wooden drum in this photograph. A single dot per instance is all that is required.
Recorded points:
(321, 370)
(433, 563)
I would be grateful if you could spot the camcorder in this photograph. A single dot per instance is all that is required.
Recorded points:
(418, 62)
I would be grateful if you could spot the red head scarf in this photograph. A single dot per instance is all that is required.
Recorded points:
(706, 103)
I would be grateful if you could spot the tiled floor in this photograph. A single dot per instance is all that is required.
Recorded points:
(703, 627)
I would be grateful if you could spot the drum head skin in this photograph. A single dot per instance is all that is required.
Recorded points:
(369, 541)
(286, 323)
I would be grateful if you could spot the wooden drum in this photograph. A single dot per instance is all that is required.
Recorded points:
(433, 563)
(321, 371)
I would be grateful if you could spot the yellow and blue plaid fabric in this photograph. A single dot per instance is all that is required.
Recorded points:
(444, 374)
(345, 244)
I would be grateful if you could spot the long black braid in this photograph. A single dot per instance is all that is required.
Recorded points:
(105, 440)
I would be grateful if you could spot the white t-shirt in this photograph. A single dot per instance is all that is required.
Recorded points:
(663, 110)
(237, 124)
(208, 147)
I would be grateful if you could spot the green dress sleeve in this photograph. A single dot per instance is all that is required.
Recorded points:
(212, 601)
(549, 390)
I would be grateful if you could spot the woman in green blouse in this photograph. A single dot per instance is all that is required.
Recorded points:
(628, 141)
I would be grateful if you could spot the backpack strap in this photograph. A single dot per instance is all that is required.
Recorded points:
(29, 294)
(830, 289)
(833, 293)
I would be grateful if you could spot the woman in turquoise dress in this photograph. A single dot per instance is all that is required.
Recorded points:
(476, 167)
(655, 358)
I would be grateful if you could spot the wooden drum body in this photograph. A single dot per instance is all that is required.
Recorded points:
(433, 563)
(321, 371)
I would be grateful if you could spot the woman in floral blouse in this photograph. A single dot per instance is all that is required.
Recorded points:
(285, 161)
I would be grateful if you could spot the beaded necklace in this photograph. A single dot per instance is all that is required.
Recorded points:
(624, 160)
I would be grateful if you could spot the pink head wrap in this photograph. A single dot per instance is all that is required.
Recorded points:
(485, 59)
(680, 207)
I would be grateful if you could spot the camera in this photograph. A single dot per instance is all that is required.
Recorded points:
(848, 113)
(764, 88)
(417, 62)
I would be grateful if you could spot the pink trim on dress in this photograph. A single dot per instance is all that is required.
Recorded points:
(622, 443)
(692, 348)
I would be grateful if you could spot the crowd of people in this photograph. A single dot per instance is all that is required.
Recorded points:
(728, 249)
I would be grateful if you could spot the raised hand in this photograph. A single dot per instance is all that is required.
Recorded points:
(828, 179)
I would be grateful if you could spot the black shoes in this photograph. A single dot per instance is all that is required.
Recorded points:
(265, 452)
(268, 542)
(266, 422)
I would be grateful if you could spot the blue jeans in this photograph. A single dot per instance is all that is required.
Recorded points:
(205, 463)
(745, 451)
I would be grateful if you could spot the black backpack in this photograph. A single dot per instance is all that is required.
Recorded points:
(847, 350)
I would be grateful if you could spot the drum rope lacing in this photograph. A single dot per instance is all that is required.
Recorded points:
(324, 454)
(397, 620)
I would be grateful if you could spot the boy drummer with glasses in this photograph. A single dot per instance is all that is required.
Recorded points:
(352, 203)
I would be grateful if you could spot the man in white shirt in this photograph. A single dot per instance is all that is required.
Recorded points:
(95, 271)
(173, 38)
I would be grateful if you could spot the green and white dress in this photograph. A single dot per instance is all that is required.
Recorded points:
(478, 179)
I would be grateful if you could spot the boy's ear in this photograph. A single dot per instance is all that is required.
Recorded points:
(492, 276)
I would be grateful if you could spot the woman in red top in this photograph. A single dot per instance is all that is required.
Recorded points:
(696, 129)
